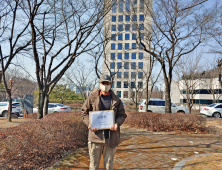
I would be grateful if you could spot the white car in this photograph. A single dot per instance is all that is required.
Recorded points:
(54, 107)
(158, 106)
(214, 110)
(16, 108)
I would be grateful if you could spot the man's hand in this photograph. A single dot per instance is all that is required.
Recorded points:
(114, 128)
(94, 129)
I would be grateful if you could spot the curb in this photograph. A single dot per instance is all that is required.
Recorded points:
(180, 164)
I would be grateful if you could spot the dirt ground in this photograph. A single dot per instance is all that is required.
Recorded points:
(15, 121)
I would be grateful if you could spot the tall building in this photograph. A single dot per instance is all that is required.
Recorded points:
(123, 58)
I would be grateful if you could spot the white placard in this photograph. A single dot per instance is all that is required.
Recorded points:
(101, 119)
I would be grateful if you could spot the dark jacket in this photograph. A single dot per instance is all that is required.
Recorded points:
(93, 103)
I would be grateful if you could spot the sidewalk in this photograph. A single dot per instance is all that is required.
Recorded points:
(140, 149)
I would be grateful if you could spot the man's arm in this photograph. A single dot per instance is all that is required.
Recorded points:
(121, 115)
(86, 107)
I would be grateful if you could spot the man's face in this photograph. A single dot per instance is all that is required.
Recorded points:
(105, 86)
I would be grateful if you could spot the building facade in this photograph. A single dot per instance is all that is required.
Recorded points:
(204, 91)
(125, 25)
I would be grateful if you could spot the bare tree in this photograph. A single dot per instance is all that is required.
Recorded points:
(178, 28)
(13, 39)
(66, 29)
(82, 77)
(190, 74)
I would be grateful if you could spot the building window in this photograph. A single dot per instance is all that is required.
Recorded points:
(134, 17)
(140, 65)
(125, 94)
(119, 65)
(140, 85)
(141, 17)
(119, 75)
(133, 27)
(120, 5)
(114, 6)
(118, 84)
(113, 18)
(127, 36)
(126, 57)
(126, 46)
(132, 84)
(127, 19)
(126, 75)
(113, 84)
(113, 37)
(133, 75)
(141, 5)
(119, 56)
(126, 65)
(127, 27)
(127, 5)
(112, 65)
(125, 84)
(112, 56)
(120, 27)
(113, 46)
(140, 55)
(120, 37)
(142, 36)
(113, 74)
(140, 75)
(133, 45)
(133, 36)
(133, 65)
(141, 26)
(134, 5)
(113, 28)
(118, 93)
(133, 55)
(120, 18)
(120, 46)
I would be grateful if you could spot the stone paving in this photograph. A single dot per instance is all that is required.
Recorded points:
(140, 149)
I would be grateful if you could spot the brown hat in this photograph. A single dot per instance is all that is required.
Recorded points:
(105, 78)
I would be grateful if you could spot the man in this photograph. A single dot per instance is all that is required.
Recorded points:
(103, 142)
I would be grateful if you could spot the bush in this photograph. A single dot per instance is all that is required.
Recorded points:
(177, 122)
(32, 115)
(38, 143)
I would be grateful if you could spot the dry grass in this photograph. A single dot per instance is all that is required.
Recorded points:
(208, 162)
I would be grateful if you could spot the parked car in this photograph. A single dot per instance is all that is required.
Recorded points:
(54, 107)
(158, 106)
(214, 110)
(16, 109)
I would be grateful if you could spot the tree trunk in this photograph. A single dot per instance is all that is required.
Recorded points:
(46, 101)
(136, 101)
(167, 97)
(147, 93)
(9, 116)
(41, 102)
(189, 107)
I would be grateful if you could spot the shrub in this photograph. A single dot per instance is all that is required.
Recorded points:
(177, 122)
(32, 115)
(38, 143)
